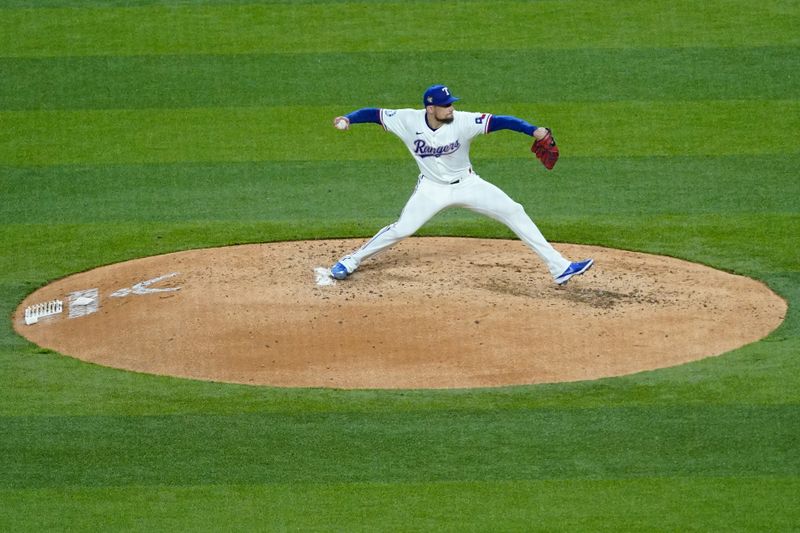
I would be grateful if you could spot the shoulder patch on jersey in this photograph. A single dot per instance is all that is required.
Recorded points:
(480, 119)
(390, 112)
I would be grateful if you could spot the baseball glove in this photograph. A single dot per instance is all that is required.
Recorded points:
(546, 150)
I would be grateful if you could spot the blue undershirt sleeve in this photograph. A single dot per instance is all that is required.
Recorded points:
(507, 122)
(367, 114)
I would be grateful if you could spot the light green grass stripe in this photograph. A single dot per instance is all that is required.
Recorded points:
(295, 133)
(392, 26)
(649, 504)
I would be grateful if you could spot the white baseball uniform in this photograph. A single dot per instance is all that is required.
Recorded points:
(447, 179)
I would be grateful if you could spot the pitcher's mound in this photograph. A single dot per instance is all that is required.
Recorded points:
(430, 313)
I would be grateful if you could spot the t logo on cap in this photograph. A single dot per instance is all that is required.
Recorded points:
(438, 95)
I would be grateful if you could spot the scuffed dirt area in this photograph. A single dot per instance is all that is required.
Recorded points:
(430, 313)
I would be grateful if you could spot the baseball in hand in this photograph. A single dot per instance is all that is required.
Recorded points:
(341, 123)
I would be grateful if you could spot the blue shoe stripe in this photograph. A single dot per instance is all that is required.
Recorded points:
(574, 269)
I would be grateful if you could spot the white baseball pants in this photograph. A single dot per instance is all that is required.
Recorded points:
(473, 193)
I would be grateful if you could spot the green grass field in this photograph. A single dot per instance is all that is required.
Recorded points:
(131, 128)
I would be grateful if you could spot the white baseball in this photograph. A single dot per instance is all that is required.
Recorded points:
(341, 124)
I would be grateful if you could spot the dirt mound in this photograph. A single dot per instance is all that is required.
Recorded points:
(430, 313)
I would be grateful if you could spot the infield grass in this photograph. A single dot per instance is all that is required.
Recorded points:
(132, 128)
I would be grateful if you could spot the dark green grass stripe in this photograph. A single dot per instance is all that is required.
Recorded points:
(276, 80)
(286, 191)
(249, 28)
(731, 441)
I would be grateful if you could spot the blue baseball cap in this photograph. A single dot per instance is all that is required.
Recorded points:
(438, 95)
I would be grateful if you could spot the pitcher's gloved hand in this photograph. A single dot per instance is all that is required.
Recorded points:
(546, 150)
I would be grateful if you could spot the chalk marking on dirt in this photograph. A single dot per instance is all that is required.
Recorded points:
(144, 287)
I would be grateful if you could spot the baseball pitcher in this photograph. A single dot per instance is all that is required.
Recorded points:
(438, 138)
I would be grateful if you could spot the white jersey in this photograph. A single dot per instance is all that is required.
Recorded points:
(442, 154)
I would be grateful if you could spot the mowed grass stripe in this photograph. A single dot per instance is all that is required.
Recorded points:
(717, 504)
(305, 133)
(710, 441)
(282, 79)
(309, 190)
(374, 26)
